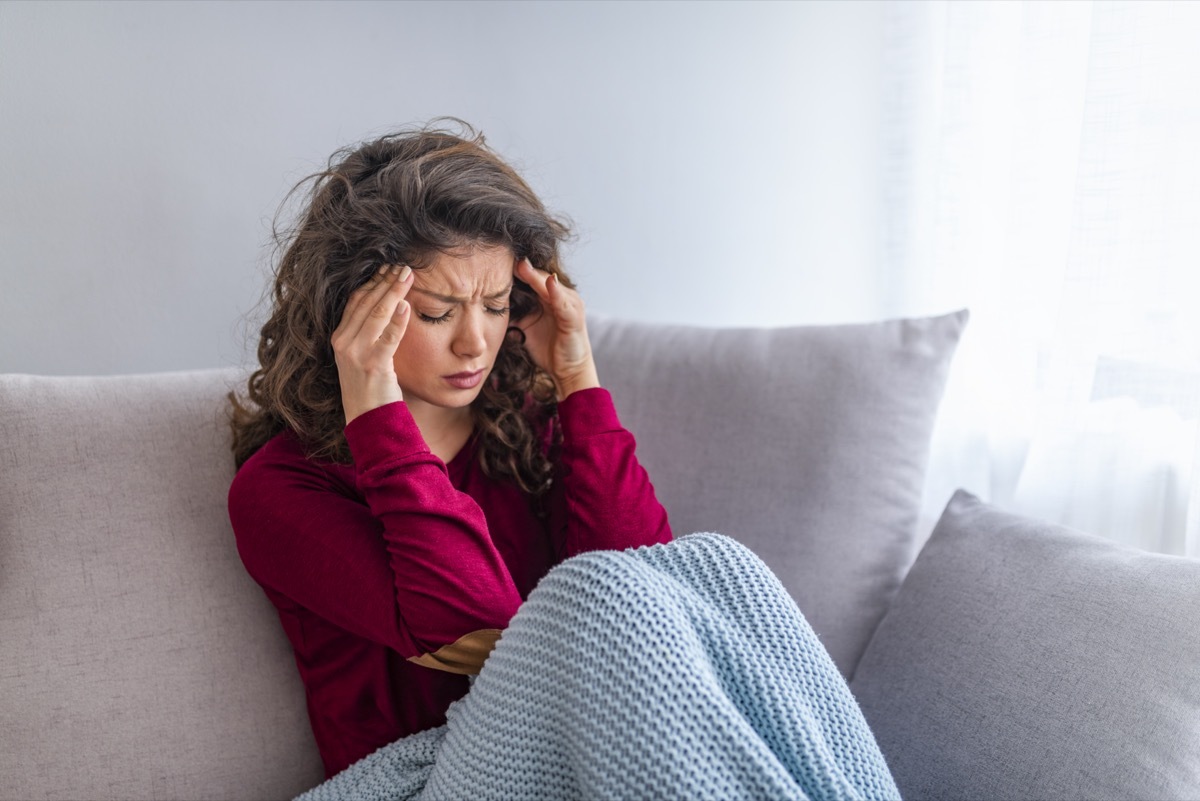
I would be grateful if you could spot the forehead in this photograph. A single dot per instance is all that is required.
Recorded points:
(479, 270)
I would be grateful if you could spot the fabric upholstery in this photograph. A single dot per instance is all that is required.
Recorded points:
(1026, 660)
(807, 444)
(139, 660)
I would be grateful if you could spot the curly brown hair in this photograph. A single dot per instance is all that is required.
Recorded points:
(403, 198)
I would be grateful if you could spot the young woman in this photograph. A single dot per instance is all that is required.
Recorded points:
(425, 438)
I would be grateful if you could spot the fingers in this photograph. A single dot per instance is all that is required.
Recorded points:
(393, 332)
(380, 277)
(376, 300)
(379, 316)
(564, 303)
(364, 344)
(375, 319)
(535, 278)
(376, 283)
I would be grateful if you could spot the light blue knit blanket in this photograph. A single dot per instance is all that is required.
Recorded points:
(679, 671)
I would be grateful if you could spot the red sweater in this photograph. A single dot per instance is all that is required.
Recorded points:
(397, 555)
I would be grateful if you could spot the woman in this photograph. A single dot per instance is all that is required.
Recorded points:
(425, 438)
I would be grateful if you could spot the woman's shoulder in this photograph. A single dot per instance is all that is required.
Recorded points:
(283, 461)
(282, 449)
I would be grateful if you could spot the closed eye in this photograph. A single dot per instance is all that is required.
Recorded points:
(431, 319)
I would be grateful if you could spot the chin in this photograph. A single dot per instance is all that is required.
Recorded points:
(467, 400)
(458, 399)
(437, 394)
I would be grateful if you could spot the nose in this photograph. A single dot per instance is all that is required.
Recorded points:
(470, 341)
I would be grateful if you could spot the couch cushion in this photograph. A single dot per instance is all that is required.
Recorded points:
(807, 444)
(139, 660)
(1025, 660)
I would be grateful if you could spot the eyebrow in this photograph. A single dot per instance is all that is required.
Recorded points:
(453, 299)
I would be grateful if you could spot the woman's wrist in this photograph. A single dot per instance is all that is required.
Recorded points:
(585, 379)
(367, 398)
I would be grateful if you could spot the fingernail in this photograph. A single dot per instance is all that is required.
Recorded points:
(405, 273)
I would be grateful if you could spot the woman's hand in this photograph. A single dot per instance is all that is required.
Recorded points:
(364, 343)
(556, 336)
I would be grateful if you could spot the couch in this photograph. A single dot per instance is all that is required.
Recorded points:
(998, 657)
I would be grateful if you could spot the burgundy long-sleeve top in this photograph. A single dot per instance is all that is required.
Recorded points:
(399, 555)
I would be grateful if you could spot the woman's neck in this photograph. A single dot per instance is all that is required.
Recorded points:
(445, 431)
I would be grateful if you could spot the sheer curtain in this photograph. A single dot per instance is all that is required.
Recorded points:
(1042, 170)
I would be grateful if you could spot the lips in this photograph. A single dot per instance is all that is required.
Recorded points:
(465, 380)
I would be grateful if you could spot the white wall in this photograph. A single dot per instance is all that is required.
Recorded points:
(720, 160)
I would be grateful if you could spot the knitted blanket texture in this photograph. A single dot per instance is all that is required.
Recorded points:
(677, 671)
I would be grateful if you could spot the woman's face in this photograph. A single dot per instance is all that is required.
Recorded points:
(459, 319)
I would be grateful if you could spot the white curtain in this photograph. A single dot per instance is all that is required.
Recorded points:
(1043, 170)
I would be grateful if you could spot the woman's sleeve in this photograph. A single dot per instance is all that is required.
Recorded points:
(609, 503)
(415, 569)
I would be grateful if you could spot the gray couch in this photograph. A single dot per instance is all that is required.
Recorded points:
(1002, 658)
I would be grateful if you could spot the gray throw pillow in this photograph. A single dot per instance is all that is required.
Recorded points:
(807, 444)
(1025, 660)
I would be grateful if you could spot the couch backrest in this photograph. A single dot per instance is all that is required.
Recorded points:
(140, 661)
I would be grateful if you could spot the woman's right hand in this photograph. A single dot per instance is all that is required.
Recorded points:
(364, 343)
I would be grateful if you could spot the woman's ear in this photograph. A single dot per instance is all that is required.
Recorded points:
(515, 335)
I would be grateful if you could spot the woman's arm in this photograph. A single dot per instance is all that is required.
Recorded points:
(608, 501)
(414, 569)
(605, 499)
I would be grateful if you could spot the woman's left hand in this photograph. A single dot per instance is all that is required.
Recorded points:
(556, 337)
